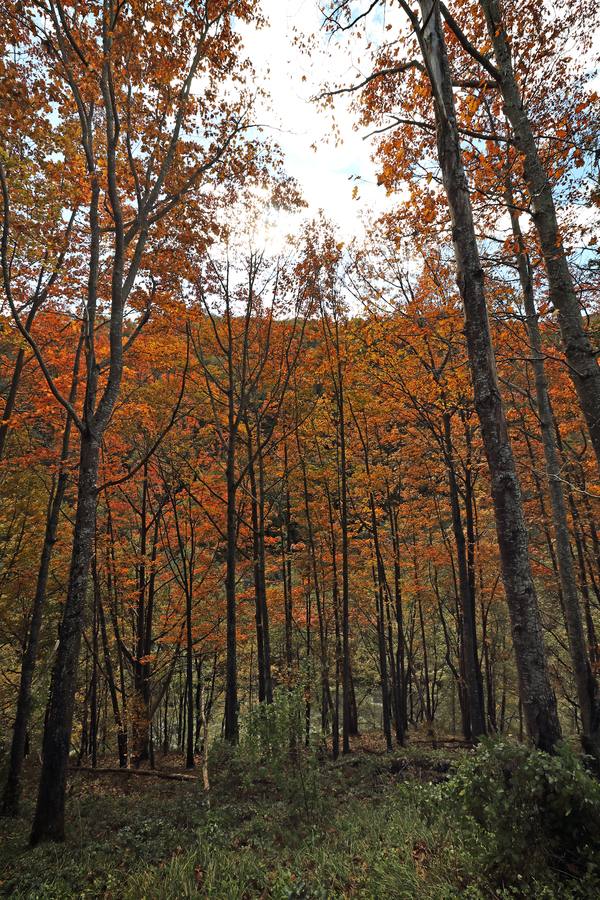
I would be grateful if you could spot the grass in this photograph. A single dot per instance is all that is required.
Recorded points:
(115, 833)
(360, 828)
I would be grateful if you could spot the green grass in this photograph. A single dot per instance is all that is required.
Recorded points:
(112, 837)
(354, 829)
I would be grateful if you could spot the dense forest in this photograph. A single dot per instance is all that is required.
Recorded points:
(299, 538)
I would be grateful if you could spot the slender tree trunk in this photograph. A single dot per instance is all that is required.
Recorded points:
(489, 670)
(83, 742)
(49, 821)
(140, 719)
(401, 718)
(113, 600)
(94, 687)
(231, 687)
(346, 676)
(586, 684)
(426, 700)
(203, 726)
(396, 706)
(353, 728)
(189, 659)
(472, 671)
(179, 712)
(379, 583)
(580, 555)
(257, 504)
(383, 673)
(323, 655)
(11, 398)
(539, 702)
(287, 570)
(166, 725)
(335, 600)
(184, 716)
(108, 667)
(12, 788)
(260, 652)
(583, 366)
(308, 683)
(427, 705)
(15, 381)
(263, 573)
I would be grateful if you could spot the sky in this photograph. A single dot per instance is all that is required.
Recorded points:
(327, 163)
(326, 166)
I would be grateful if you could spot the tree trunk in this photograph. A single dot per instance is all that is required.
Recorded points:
(383, 673)
(231, 698)
(335, 602)
(400, 705)
(189, 660)
(308, 675)
(16, 380)
(587, 687)
(12, 788)
(539, 702)
(583, 367)
(49, 820)
(260, 652)
(93, 748)
(287, 571)
(140, 717)
(472, 671)
(257, 506)
(112, 687)
(323, 654)
(262, 564)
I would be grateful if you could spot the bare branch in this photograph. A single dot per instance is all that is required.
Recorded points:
(380, 73)
(467, 45)
(17, 319)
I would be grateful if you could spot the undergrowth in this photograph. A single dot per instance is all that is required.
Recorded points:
(284, 823)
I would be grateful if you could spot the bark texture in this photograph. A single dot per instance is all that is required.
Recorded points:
(583, 366)
(539, 702)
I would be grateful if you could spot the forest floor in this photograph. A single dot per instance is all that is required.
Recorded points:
(357, 827)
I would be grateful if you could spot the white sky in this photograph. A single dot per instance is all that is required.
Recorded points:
(324, 163)
(292, 78)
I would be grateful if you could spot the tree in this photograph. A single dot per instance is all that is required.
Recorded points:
(536, 691)
(99, 62)
(241, 333)
(583, 365)
(12, 789)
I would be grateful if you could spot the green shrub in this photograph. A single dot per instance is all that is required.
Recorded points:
(525, 815)
(272, 753)
(271, 731)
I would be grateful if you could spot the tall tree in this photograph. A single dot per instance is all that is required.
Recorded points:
(537, 695)
(581, 356)
(100, 61)
(536, 691)
(12, 788)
